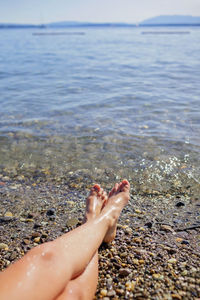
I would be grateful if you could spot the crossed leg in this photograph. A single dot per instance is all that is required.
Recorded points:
(57, 269)
(84, 286)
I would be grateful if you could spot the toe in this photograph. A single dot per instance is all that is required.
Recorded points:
(124, 185)
(114, 190)
(97, 187)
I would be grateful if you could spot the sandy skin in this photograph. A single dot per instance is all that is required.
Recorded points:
(70, 261)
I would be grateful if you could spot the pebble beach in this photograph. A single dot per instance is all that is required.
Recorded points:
(152, 257)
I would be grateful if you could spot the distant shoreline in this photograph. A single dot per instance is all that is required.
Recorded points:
(91, 25)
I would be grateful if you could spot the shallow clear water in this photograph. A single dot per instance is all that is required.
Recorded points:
(110, 99)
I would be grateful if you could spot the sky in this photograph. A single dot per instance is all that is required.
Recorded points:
(129, 11)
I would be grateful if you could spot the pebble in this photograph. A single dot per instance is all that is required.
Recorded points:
(176, 297)
(120, 291)
(179, 204)
(172, 261)
(137, 240)
(130, 285)
(166, 228)
(51, 212)
(35, 234)
(103, 292)
(179, 240)
(184, 273)
(72, 222)
(13, 256)
(111, 293)
(8, 214)
(37, 239)
(138, 211)
(185, 242)
(128, 230)
(158, 276)
(124, 272)
(26, 241)
(6, 219)
(3, 246)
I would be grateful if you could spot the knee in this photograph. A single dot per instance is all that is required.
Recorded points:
(44, 253)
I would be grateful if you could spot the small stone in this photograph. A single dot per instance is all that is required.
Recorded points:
(141, 261)
(137, 240)
(128, 230)
(124, 272)
(141, 229)
(166, 228)
(6, 219)
(26, 241)
(184, 242)
(44, 235)
(35, 234)
(120, 291)
(29, 220)
(111, 293)
(72, 222)
(148, 224)
(22, 219)
(179, 240)
(8, 214)
(158, 276)
(130, 285)
(124, 254)
(51, 212)
(3, 246)
(135, 261)
(13, 256)
(103, 292)
(172, 261)
(138, 211)
(71, 203)
(176, 296)
(179, 204)
(37, 239)
(184, 273)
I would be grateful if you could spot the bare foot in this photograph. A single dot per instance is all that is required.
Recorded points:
(95, 202)
(118, 198)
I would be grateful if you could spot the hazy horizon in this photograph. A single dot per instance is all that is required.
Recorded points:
(113, 11)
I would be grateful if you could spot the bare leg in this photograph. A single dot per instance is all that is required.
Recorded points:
(45, 271)
(118, 196)
(84, 286)
(79, 287)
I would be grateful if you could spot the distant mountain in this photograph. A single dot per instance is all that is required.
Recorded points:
(12, 25)
(87, 24)
(172, 20)
(175, 20)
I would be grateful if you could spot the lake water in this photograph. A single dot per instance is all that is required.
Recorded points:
(102, 101)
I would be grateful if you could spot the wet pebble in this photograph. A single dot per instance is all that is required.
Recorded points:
(8, 214)
(103, 292)
(124, 272)
(179, 204)
(72, 222)
(111, 293)
(166, 228)
(3, 246)
(51, 212)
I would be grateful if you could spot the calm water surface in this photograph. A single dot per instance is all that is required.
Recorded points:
(110, 99)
